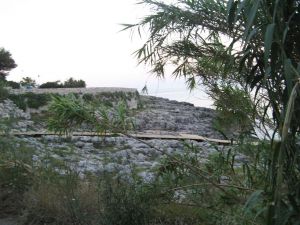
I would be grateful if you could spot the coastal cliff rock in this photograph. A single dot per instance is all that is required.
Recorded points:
(165, 115)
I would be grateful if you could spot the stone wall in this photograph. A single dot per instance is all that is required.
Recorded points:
(111, 94)
(64, 91)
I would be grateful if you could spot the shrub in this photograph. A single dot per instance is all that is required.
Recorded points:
(28, 82)
(102, 199)
(72, 83)
(3, 91)
(13, 84)
(15, 174)
(35, 101)
(19, 100)
(54, 84)
(127, 203)
(30, 100)
(234, 110)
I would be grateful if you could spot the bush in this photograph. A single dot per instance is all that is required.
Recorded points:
(54, 84)
(15, 174)
(234, 111)
(19, 100)
(3, 91)
(30, 100)
(28, 82)
(36, 101)
(13, 84)
(103, 199)
(127, 203)
(72, 83)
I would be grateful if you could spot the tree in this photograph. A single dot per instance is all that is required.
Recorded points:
(13, 84)
(250, 44)
(72, 83)
(28, 81)
(51, 84)
(6, 63)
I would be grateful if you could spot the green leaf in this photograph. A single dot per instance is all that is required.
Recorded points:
(240, 7)
(275, 10)
(243, 60)
(253, 201)
(251, 35)
(251, 17)
(284, 34)
(289, 75)
(231, 9)
(229, 6)
(268, 41)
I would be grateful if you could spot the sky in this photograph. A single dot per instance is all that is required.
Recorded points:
(56, 39)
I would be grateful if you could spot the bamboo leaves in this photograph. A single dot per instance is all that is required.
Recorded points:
(268, 42)
(251, 17)
(69, 113)
(263, 56)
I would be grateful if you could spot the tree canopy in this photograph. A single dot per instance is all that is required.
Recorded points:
(28, 81)
(73, 83)
(69, 83)
(6, 63)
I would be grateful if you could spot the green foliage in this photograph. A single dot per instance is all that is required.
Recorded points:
(35, 101)
(69, 112)
(186, 189)
(15, 171)
(30, 100)
(13, 84)
(28, 82)
(235, 110)
(224, 198)
(3, 91)
(50, 197)
(19, 100)
(127, 203)
(54, 84)
(6, 63)
(72, 83)
(216, 189)
(250, 44)
(15, 164)
(266, 62)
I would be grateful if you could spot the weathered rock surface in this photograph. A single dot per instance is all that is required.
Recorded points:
(172, 116)
(111, 154)
(9, 110)
(18, 119)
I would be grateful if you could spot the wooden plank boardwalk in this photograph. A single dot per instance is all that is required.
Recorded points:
(140, 135)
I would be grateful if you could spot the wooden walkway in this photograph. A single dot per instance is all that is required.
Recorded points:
(140, 135)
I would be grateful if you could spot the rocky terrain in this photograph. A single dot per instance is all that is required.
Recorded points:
(121, 154)
(171, 116)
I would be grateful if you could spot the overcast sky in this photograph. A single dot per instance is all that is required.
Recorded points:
(56, 39)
